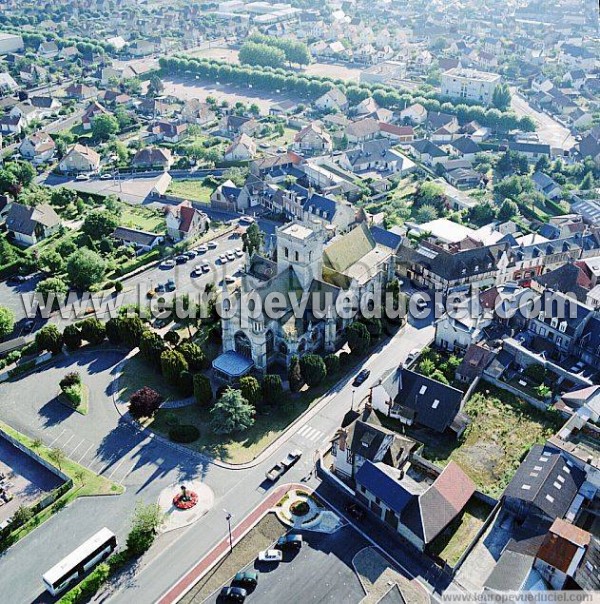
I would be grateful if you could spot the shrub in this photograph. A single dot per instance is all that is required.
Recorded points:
(172, 364)
(295, 378)
(113, 330)
(251, 390)
(49, 338)
(272, 388)
(73, 394)
(144, 403)
(332, 364)
(151, 347)
(184, 434)
(71, 379)
(536, 372)
(202, 390)
(118, 286)
(359, 338)
(92, 330)
(72, 337)
(185, 384)
(193, 354)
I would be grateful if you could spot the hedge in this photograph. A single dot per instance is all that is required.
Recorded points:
(138, 262)
(184, 434)
(8, 270)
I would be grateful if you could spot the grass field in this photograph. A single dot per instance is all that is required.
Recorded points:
(454, 540)
(137, 374)
(144, 219)
(191, 189)
(503, 428)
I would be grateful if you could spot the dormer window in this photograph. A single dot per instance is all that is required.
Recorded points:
(563, 326)
(554, 322)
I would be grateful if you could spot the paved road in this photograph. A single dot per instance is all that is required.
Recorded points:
(549, 130)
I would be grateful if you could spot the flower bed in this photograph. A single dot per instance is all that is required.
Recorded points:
(185, 501)
(299, 508)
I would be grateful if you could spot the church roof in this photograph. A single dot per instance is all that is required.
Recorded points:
(349, 249)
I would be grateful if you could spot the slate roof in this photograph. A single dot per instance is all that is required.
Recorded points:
(587, 575)
(437, 507)
(522, 147)
(437, 119)
(24, 219)
(550, 480)
(568, 278)
(466, 145)
(370, 151)
(510, 572)
(427, 147)
(590, 335)
(362, 128)
(380, 484)
(134, 236)
(386, 238)
(321, 206)
(151, 156)
(432, 403)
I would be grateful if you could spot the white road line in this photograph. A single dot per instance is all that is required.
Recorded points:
(308, 434)
(85, 453)
(126, 475)
(77, 447)
(302, 430)
(68, 440)
(117, 467)
(63, 431)
(316, 435)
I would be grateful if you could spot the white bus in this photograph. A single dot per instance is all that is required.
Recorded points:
(73, 567)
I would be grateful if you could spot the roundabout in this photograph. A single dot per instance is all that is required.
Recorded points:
(184, 504)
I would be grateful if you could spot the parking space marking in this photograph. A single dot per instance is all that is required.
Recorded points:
(85, 453)
(77, 447)
(67, 441)
(117, 467)
(63, 431)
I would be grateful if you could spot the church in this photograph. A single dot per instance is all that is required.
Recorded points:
(301, 266)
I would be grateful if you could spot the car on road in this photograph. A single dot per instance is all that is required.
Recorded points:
(270, 555)
(412, 355)
(81, 177)
(197, 270)
(234, 594)
(170, 285)
(181, 259)
(355, 511)
(239, 252)
(289, 542)
(106, 176)
(150, 294)
(229, 279)
(212, 245)
(246, 578)
(280, 468)
(361, 377)
(160, 288)
(230, 256)
(202, 249)
(421, 303)
(167, 264)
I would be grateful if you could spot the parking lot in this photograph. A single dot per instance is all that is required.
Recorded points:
(321, 571)
(23, 481)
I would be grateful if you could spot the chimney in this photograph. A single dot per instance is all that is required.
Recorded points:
(400, 370)
(342, 434)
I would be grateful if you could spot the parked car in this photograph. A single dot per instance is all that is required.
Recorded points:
(270, 555)
(412, 355)
(189, 254)
(355, 511)
(236, 594)
(289, 542)
(167, 264)
(170, 285)
(202, 249)
(246, 220)
(239, 252)
(361, 377)
(229, 279)
(106, 176)
(160, 288)
(212, 245)
(16, 280)
(223, 259)
(230, 256)
(284, 465)
(81, 177)
(181, 259)
(206, 267)
(246, 578)
(28, 327)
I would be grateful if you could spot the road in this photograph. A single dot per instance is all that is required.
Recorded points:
(549, 130)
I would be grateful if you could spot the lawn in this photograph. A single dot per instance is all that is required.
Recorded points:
(85, 484)
(502, 430)
(144, 219)
(190, 188)
(137, 374)
(451, 544)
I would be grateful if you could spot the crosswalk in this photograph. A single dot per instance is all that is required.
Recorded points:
(311, 434)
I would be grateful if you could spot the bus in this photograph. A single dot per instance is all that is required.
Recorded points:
(73, 567)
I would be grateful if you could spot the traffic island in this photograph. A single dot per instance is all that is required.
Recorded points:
(184, 504)
(302, 511)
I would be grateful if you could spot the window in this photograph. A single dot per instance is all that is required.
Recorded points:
(557, 485)
(377, 500)
(423, 389)
(435, 404)
(554, 322)
(563, 326)
(526, 487)
(286, 252)
(550, 498)
(349, 456)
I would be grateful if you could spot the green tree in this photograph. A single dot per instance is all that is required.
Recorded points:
(92, 330)
(202, 390)
(22, 515)
(130, 330)
(7, 321)
(253, 239)
(587, 184)
(332, 364)
(53, 289)
(426, 367)
(272, 389)
(542, 164)
(152, 346)
(172, 363)
(426, 213)
(231, 413)
(508, 210)
(114, 331)
(57, 456)
(155, 85)
(104, 126)
(194, 355)
(251, 390)
(359, 338)
(85, 268)
(51, 261)
(72, 337)
(295, 375)
(49, 338)
(7, 252)
(252, 53)
(501, 97)
(144, 527)
(99, 224)
(313, 369)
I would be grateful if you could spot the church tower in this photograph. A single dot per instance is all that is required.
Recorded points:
(300, 245)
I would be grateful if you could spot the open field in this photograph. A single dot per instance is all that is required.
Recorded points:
(191, 189)
(143, 218)
(502, 430)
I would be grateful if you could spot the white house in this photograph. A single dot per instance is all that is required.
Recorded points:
(243, 148)
(38, 147)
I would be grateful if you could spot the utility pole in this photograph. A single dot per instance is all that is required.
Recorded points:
(229, 516)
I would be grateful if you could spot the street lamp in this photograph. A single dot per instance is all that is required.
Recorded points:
(352, 405)
(229, 516)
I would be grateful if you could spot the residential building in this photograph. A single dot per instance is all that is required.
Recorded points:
(80, 159)
(153, 157)
(38, 147)
(185, 222)
(29, 225)
(462, 83)
(242, 148)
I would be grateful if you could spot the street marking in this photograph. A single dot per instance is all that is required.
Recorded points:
(68, 440)
(85, 453)
(63, 431)
(117, 467)
(302, 430)
(130, 471)
(77, 447)
(308, 435)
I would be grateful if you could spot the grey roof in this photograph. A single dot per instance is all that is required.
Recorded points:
(426, 146)
(551, 481)
(370, 151)
(564, 279)
(523, 147)
(587, 575)
(134, 236)
(24, 219)
(510, 572)
(233, 364)
(386, 238)
(365, 439)
(437, 119)
(432, 403)
(380, 484)
(466, 145)
(322, 206)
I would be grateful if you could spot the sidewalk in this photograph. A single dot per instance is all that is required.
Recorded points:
(222, 548)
